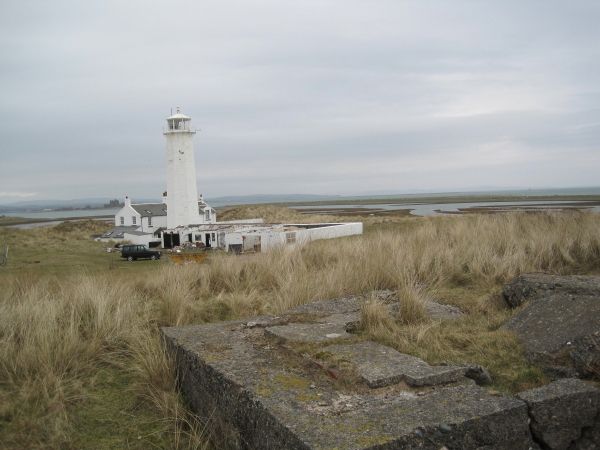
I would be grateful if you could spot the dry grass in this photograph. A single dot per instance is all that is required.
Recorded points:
(272, 214)
(60, 332)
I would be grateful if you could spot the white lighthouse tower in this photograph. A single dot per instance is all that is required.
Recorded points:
(182, 191)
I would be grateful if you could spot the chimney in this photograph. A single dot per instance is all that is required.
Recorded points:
(127, 200)
(164, 197)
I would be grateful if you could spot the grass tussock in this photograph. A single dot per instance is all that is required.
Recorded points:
(79, 339)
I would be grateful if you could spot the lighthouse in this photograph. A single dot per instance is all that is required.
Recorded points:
(182, 191)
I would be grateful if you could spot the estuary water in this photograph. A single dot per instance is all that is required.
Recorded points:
(432, 209)
(415, 208)
(63, 213)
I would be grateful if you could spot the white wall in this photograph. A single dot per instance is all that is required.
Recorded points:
(157, 222)
(330, 232)
(127, 212)
(303, 235)
(242, 221)
(211, 219)
(231, 238)
(273, 238)
(140, 240)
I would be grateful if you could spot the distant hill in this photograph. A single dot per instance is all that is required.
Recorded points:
(36, 205)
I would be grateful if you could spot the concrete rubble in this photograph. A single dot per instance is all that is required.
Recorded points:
(304, 380)
(558, 322)
(561, 410)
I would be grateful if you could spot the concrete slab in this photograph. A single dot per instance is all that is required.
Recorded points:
(309, 332)
(531, 286)
(561, 410)
(380, 366)
(256, 393)
(558, 322)
(553, 323)
(261, 396)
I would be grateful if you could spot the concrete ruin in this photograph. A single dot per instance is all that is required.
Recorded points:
(558, 322)
(305, 380)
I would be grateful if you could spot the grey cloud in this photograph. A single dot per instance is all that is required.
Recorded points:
(315, 96)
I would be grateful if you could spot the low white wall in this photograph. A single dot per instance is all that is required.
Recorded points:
(144, 239)
(231, 239)
(271, 240)
(242, 221)
(329, 232)
(278, 237)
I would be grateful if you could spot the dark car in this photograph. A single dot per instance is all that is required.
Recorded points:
(133, 252)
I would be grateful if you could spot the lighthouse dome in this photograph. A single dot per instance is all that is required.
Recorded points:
(178, 122)
(178, 115)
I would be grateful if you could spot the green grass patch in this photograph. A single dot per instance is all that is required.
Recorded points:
(112, 416)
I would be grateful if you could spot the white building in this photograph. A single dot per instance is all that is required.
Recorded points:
(246, 237)
(143, 223)
(145, 217)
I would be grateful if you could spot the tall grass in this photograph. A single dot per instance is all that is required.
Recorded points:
(447, 251)
(58, 332)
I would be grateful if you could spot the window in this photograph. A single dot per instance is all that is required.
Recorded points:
(290, 238)
(122, 220)
(213, 236)
(207, 215)
(133, 220)
(149, 221)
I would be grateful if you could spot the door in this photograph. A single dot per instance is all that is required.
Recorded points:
(207, 240)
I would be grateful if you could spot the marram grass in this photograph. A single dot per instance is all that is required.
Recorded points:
(82, 365)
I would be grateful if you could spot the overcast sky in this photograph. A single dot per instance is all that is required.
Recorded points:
(311, 96)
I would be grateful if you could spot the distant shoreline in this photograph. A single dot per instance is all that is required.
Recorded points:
(447, 199)
(322, 206)
(8, 221)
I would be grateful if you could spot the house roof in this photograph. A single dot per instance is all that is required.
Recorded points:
(159, 209)
(117, 232)
(150, 209)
